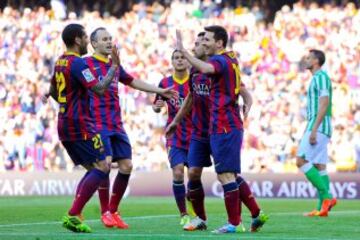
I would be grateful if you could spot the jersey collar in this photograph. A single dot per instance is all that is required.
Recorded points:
(221, 52)
(68, 53)
(100, 58)
(179, 80)
(318, 71)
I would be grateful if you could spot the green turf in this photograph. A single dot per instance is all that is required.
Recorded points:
(156, 218)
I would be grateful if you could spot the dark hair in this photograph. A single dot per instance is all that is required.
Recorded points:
(173, 53)
(71, 32)
(94, 33)
(219, 33)
(201, 34)
(319, 55)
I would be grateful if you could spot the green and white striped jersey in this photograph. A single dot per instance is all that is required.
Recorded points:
(320, 86)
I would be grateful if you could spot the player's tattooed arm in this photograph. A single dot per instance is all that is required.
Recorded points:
(103, 85)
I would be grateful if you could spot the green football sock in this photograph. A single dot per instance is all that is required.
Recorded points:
(319, 202)
(326, 180)
(313, 175)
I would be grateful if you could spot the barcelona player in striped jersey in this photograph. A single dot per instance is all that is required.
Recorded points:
(70, 87)
(225, 127)
(312, 155)
(199, 152)
(178, 144)
(108, 121)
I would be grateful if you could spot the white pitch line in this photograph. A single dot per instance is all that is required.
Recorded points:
(170, 216)
(90, 220)
(159, 235)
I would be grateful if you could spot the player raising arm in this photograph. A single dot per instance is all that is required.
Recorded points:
(199, 152)
(108, 120)
(70, 87)
(225, 129)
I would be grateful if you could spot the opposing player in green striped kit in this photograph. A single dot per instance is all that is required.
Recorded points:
(312, 155)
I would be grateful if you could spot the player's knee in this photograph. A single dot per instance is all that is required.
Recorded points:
(178, 174)
(194, 174)
(103, 166)
(320, 167)
(125, 166)
(225, 178)
(300, 162)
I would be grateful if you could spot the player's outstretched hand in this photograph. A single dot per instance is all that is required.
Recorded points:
(169, 93)
(115, 56)
(179, 41)
(170, 129)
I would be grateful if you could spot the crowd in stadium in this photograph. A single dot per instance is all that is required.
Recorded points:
(270, 56)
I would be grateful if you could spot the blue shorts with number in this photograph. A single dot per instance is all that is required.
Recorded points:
(85, 152)
(225, 148)
(117, 145)
(177, 156)
(199, 153)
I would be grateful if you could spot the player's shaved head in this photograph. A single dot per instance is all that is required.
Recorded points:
(71, 32)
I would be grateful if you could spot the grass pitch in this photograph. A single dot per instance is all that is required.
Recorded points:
(156, 218)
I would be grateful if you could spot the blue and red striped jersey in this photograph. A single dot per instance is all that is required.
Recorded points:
(224, 93)
(182, 135)
(72, 79)
(106, 108)
(200, 89)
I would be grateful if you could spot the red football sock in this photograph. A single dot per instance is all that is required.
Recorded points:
(179, 194)
(119, 188)
(231, 198)
(103, 191)
(197, 196)
(89, 185)
(247, 197)
(240, 208)
(80, 183)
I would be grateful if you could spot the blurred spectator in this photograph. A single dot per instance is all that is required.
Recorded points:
(270, 56)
